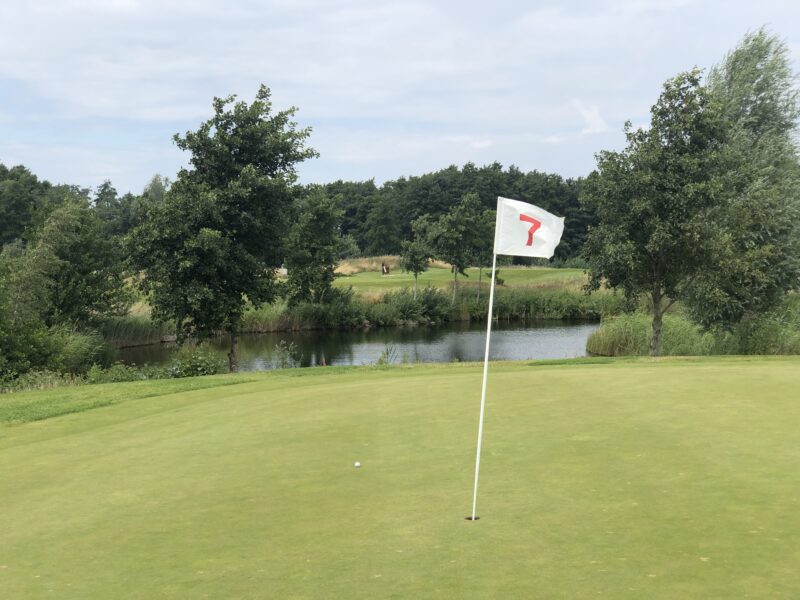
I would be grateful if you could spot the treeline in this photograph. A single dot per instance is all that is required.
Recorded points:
(374, 220)
(63, 270)
(379, 219)
(73, 258)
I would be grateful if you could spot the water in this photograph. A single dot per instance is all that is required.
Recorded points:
(445, 343)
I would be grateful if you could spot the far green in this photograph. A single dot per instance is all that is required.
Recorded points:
(374, 282)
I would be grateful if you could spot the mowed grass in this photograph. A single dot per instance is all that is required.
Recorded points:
(371, 282)
(623, 479)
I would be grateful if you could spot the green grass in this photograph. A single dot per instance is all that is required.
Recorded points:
(22, 407)
(371, 282)
(619, 479)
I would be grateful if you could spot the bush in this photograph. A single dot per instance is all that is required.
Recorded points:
(629, 335)
(532, 304)
(777, 332)
(265, 318)
(574, 262)
(286, 356)
(195, 361)
(435, 304)
(118, 372)
(75, 352)
(382, 314)
(406, 308)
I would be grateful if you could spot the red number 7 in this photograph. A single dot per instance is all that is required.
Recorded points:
(534, 226)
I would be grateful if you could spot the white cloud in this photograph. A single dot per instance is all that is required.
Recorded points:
(389, 87)
(591, 116)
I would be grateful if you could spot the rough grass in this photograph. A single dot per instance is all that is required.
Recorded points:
(777, 332)
(351, 266)
(630, 335)
(134, 330)
(631, 479)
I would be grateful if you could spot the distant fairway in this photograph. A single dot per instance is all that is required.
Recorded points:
(542, 277)
(629, 479)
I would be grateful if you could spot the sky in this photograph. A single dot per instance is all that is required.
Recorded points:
(93, 90)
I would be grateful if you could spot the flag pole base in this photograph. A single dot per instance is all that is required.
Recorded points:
(470, 518)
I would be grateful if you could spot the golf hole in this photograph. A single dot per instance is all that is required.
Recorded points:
(471, 519)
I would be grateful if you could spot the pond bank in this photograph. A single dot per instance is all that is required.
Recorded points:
(346, 310)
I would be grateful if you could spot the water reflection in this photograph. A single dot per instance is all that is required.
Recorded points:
(445, 343)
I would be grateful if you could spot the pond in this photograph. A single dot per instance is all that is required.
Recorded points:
(444, 343)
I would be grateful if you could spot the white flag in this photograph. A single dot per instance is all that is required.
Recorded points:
(523, 229)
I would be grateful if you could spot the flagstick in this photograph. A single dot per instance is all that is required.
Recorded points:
(483, 388)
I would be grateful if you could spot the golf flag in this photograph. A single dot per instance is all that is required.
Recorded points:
(523, 229)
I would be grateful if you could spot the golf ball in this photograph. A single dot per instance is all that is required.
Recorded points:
(357, 465)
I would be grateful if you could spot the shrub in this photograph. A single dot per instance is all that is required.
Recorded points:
(434, 303)
(194, 361)
(75, 352)
(382, 314)
(406, 308)
(286, 356)
(630, 335)
(134, 330)
(266, 318)
(39, 380)
(117, 373)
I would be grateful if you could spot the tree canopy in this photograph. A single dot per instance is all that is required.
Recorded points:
(758, 259)
(215, 241)
(654, 201)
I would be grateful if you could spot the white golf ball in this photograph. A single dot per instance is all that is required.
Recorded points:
(357, 465)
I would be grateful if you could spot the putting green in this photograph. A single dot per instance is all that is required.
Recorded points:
(630, 479)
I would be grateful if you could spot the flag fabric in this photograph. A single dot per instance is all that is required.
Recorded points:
(523, 229)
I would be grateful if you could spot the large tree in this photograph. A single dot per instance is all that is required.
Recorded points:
(655, 201)
(215, 240)
(759, 258)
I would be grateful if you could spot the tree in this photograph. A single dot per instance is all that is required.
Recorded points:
(483, 244)
(312, 248)
(156, 189)
(26, 202)
(24, 299)
(86, 274)
(106, 200)
(655, 201)
(216, 239)
(382, 227)
(415, 255)
(453, 236)
(759, 259)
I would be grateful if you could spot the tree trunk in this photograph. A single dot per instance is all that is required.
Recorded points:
(233, 355)
(480, 278)
(658, 314)
(455, 283)
(415, 285)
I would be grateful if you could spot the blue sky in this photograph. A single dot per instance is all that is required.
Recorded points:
(93, 90)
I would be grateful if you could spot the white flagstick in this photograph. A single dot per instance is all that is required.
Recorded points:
(483, 388)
